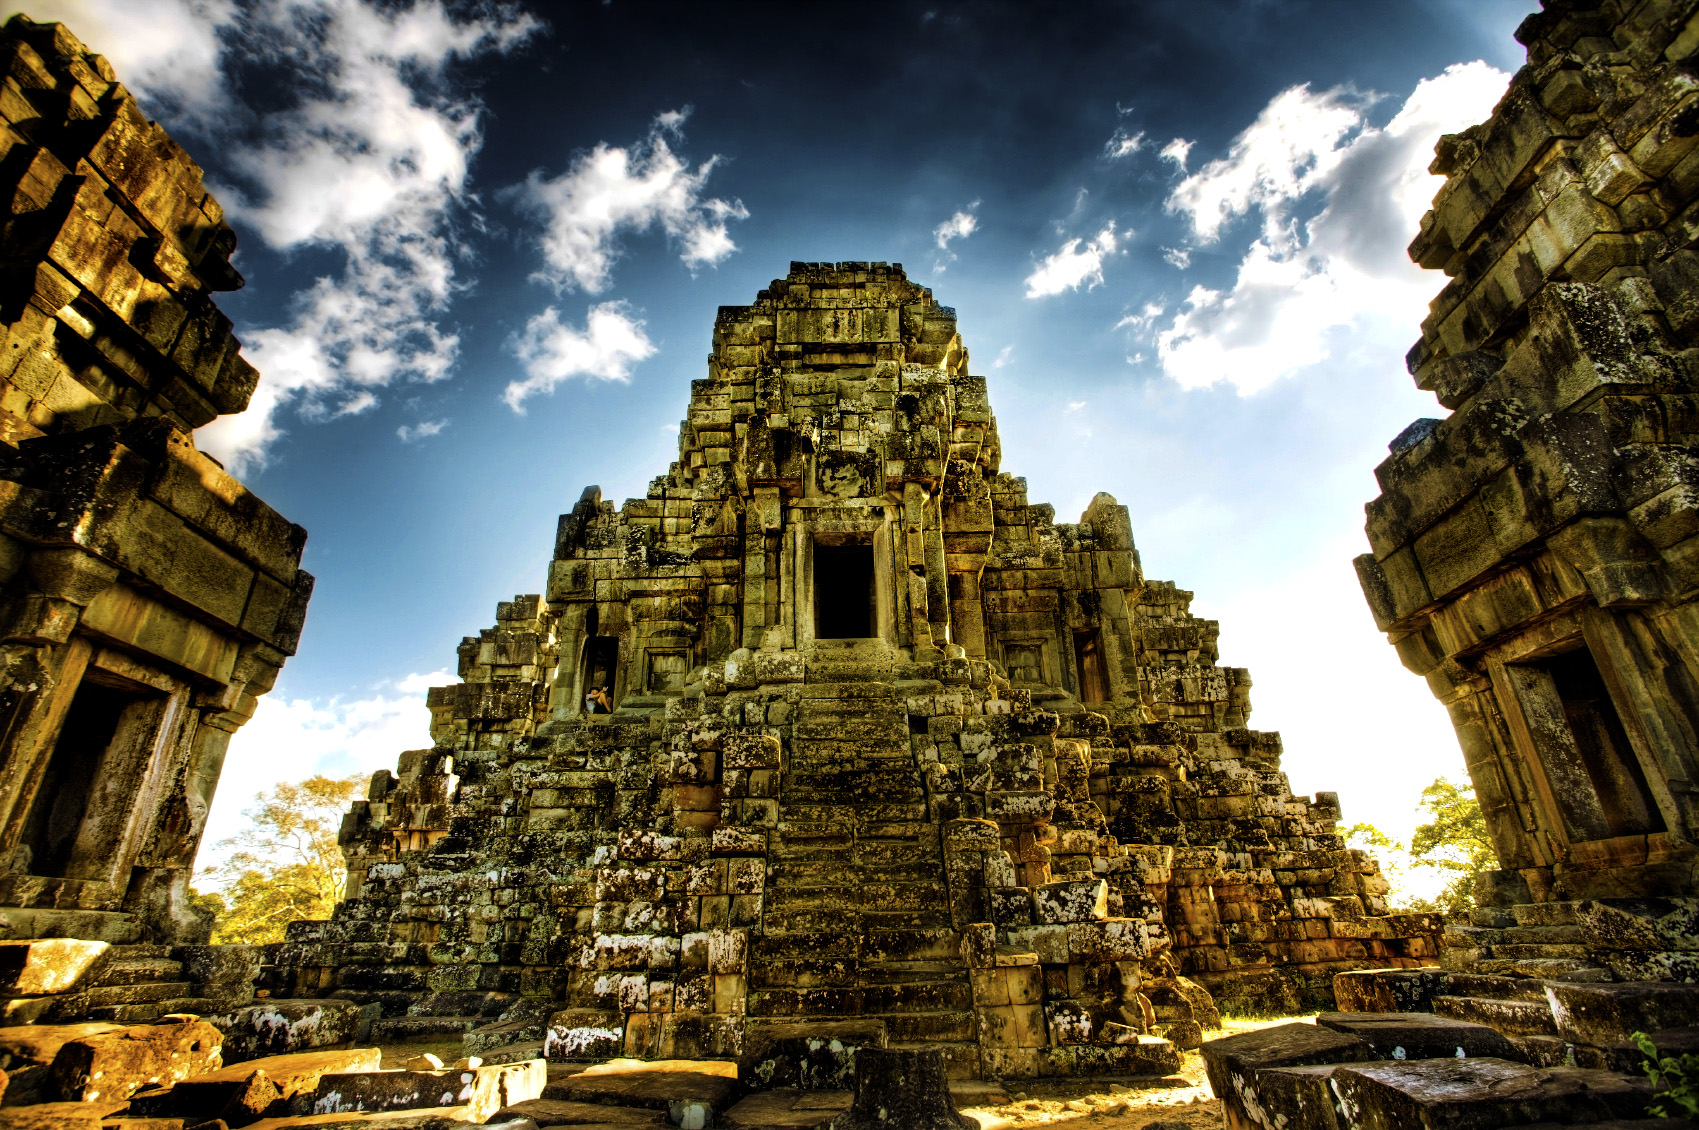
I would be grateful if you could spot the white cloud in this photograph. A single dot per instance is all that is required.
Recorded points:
(165, 51)
(1177, 257)
(1077, 263)
(1290, 148)
(291, 739)
(551, 352)
(959, 226)
(614, 190)
(1004, 356)
(371, 164)
(1298, 282)
(1123, 144)
(424, 429)
(1176, 151)
(1142, 320)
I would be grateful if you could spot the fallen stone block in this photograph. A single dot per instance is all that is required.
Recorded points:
(49, 965)
(443, 1118)
(787, 1109)
(1387, 990)
(1419, 1035)
(1454, 1094)
(231, 1093)
(480, 1091)
(902, 1087)
(1603, 1014)
(1292, 1097)
(583, 1034)
(1234, 1061)
(810, 1055)
(115, 1065)
(58, 1116)
(26, 1055)
(565, 1112)
(277, 1027)
(677, 1086)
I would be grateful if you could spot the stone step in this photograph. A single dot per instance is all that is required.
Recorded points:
(907, 972)
(837, 1002)
(831, 788)
(1498, 987)
(145, 992)
(864, 735)
(870, 946)
(911, 1027)
(512, 1053)
(878, 813)
(895, 833)
(1512, 1017)
(149, 1011)
(862, 896)
(816, 920)
(822, 872)
(139, 970)
(1543, 968)
(800, 834)
(411, 1029)
(501, 1034)
(140, 953)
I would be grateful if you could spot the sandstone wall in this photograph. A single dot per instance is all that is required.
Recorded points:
(146, 597)
(1535, 555)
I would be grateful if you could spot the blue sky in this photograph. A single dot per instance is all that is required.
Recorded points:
(484, 246)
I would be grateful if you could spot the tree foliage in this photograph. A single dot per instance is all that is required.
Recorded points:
(1453, 841)
(284, 867)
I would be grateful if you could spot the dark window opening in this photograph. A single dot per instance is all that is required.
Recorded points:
(1603, 745)
(843, 591)
(62, 798)
(601, 661)
(1094, 681)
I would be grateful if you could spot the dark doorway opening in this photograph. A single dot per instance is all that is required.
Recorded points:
(70, 775)
(601, 661)
(1603, 745)
(843, 591)
(1088, 654)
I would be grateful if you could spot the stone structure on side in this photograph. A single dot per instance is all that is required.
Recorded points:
(894, 758)
(1536, 552)
(146, 597)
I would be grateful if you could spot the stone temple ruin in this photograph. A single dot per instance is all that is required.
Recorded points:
(1535, 556)
(893, 757)
(898, 772)
(147, 597)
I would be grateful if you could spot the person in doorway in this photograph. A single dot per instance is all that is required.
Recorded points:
(599, 702)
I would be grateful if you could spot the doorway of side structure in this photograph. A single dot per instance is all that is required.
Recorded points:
(78, 816)
(601, 666)
(1594, 775)
(845, 600)
(1088, 659)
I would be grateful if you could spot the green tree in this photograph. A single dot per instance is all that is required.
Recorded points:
(285, 866)
(1454, 840)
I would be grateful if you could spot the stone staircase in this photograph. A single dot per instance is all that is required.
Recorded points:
(857, 921)
(139, 983)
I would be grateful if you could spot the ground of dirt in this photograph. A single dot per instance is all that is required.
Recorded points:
(1182, 1100)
